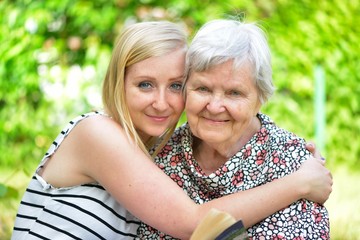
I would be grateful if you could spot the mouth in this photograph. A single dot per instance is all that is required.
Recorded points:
(214, 120)
(158, 119)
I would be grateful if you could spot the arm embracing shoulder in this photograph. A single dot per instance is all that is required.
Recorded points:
(135, 181)
(143, 189)
(311, 181)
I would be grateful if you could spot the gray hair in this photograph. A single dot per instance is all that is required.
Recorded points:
(219, 41)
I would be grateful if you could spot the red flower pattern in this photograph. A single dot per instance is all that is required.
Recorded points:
(271, 153)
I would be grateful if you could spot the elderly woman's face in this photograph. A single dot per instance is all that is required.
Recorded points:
(222, 103)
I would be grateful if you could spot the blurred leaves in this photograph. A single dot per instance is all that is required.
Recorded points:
(8, 192)
(3, 190)
(54, 54)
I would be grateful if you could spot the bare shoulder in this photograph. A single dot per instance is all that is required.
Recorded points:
(101, 142)
(97, 123)
(85, 148)
(99, 130)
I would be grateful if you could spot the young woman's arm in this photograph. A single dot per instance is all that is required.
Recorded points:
(255, 204)
(104, 154)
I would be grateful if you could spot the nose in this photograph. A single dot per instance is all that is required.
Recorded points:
(216, 104)
(160, 101)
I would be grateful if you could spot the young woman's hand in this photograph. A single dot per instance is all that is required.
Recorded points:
(315, 180)
(310, 146)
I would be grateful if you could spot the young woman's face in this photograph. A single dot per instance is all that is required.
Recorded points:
(153, 93)
(222, 103)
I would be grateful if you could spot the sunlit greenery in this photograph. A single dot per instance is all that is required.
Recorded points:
(53, 55)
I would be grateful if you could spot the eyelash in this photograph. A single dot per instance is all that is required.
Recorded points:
(142, 85)
(234, 93)
(231, 92)
(174, 86)
(202, 89)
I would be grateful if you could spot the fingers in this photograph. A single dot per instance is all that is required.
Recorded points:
(310, 146)
(317, 153)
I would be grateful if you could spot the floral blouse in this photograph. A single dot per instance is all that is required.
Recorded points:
(270, 154)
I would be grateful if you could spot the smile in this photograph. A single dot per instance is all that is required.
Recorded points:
(158, 118)
(215, 120)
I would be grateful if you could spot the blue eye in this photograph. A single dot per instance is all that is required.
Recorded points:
(176, 86)
(145, 85)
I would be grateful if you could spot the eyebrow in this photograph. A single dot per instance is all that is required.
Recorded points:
(178, 78)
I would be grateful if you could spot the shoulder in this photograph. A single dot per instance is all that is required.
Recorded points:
(78, 130)
(101, 138)
(95, 122)
(94, 137)
(98, 127)
(101, 146)
(80, 148)
(285, 147)
(278, 136)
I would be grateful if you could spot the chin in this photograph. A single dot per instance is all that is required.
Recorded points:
(212, 138)
(156, 134)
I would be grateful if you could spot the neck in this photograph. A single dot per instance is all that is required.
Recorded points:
(208, 157)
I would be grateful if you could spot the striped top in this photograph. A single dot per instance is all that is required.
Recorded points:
(78, 212)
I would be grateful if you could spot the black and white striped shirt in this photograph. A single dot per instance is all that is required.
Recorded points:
(78, 212)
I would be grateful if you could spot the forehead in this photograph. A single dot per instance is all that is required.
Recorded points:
(225, 73)
(172, 63)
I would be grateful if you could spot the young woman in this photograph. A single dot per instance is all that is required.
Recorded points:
(97, 179)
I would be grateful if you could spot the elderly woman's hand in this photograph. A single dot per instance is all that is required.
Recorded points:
(315, 180)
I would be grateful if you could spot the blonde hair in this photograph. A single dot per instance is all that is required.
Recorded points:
(136, 43)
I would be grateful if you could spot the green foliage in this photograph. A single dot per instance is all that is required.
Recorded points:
(3, 190)
(319, 33)
(54, 55)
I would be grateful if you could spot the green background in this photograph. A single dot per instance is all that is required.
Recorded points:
(53, 55)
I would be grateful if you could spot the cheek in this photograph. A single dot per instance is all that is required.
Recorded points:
(130, 94)
(194, 103)
(240, 114)
(134, 111)
(137, 102)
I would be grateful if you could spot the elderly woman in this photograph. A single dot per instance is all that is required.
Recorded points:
(227, 144)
